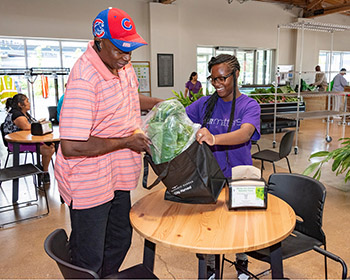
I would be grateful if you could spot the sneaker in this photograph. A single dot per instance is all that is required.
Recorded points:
(242, 267)
(210, 273)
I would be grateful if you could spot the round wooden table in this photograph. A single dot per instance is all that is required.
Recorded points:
(25, 137)
(212, 228)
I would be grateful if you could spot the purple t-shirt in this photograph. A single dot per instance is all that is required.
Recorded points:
(194, 88)
(247, 110)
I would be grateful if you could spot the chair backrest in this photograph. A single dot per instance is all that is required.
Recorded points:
(306, 196)
(57, 247)
(53, 114)
(286, 143)
(3, 135)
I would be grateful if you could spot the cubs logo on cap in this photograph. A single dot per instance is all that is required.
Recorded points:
(98, 28)
(117, 26)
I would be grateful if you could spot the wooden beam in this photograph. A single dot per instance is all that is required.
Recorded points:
(167, 1)
(327, 11)
(313, 4)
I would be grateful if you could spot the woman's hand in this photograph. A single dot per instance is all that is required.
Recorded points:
(203, 135)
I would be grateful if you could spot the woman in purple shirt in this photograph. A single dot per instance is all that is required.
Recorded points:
(230, 120)
(192, 85)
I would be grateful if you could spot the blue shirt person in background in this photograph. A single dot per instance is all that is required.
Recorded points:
(59, 106)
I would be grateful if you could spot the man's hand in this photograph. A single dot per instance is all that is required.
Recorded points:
(138, 142)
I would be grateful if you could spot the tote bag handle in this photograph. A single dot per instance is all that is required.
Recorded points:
(146, 162)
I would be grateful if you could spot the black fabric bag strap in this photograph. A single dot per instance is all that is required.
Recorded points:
(161, 176)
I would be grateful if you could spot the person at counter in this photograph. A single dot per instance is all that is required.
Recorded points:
(18, 119)
(320, 79)
(339, 82)
(229, 120)
(99, 159)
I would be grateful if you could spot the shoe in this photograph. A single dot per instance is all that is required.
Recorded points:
(210, 273)
(242, 267)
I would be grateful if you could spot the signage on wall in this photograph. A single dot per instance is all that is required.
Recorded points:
(165, 69)
(142, 70)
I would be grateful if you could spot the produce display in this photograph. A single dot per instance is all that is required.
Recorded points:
(265, 97)
(170, 130)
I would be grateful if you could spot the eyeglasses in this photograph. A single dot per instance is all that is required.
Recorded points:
(221, 79)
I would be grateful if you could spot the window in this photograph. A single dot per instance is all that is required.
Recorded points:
(339, 60)
(256, 65)
(71, 51)
(28, 53)
(12, 53)
(203, 57)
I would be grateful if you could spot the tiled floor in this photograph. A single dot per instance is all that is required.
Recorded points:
(22, 253)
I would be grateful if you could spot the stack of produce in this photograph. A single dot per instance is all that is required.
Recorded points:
(170, 130)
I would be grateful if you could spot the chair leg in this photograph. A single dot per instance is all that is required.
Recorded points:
(290, 170)
(274, 167)
(262, 167)
(325, 265)
(7, 159)
(33, 158)
(222, 267)
(25, 158)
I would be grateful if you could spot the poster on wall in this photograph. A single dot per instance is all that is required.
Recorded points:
(165, 70)
(142, 70)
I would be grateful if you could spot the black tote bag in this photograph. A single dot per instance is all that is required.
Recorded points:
(194, 176)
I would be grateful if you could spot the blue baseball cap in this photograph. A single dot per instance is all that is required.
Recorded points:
(118, 27)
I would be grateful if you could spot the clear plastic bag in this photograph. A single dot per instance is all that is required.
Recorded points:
(170, 130)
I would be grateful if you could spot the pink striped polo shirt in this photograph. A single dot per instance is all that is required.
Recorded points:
(98, 103)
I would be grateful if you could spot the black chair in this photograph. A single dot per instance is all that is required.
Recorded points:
(272, 156)
(334, 258)
(17, 172)
(9, 151)
(57, 247)
(53, 115)
(307, 197)
(255, 142)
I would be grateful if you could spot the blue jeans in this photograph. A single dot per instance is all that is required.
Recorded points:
(101, 236)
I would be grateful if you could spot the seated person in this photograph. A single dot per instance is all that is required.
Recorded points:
(18, 119)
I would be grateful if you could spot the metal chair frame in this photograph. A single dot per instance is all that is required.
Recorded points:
(272, 156)
(17, 172)
(57, 247)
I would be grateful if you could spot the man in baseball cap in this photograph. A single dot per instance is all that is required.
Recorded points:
(118, 27)
(99, 159)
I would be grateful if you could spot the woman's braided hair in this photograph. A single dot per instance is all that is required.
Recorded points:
(234, 66)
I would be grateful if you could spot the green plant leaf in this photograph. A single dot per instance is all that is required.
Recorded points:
(347, 176)
(319, 154)
(317, 175)
(336, 163)
(181, 94)
(311, 168)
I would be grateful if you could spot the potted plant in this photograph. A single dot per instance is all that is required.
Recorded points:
(185, 101)
(340, 157)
